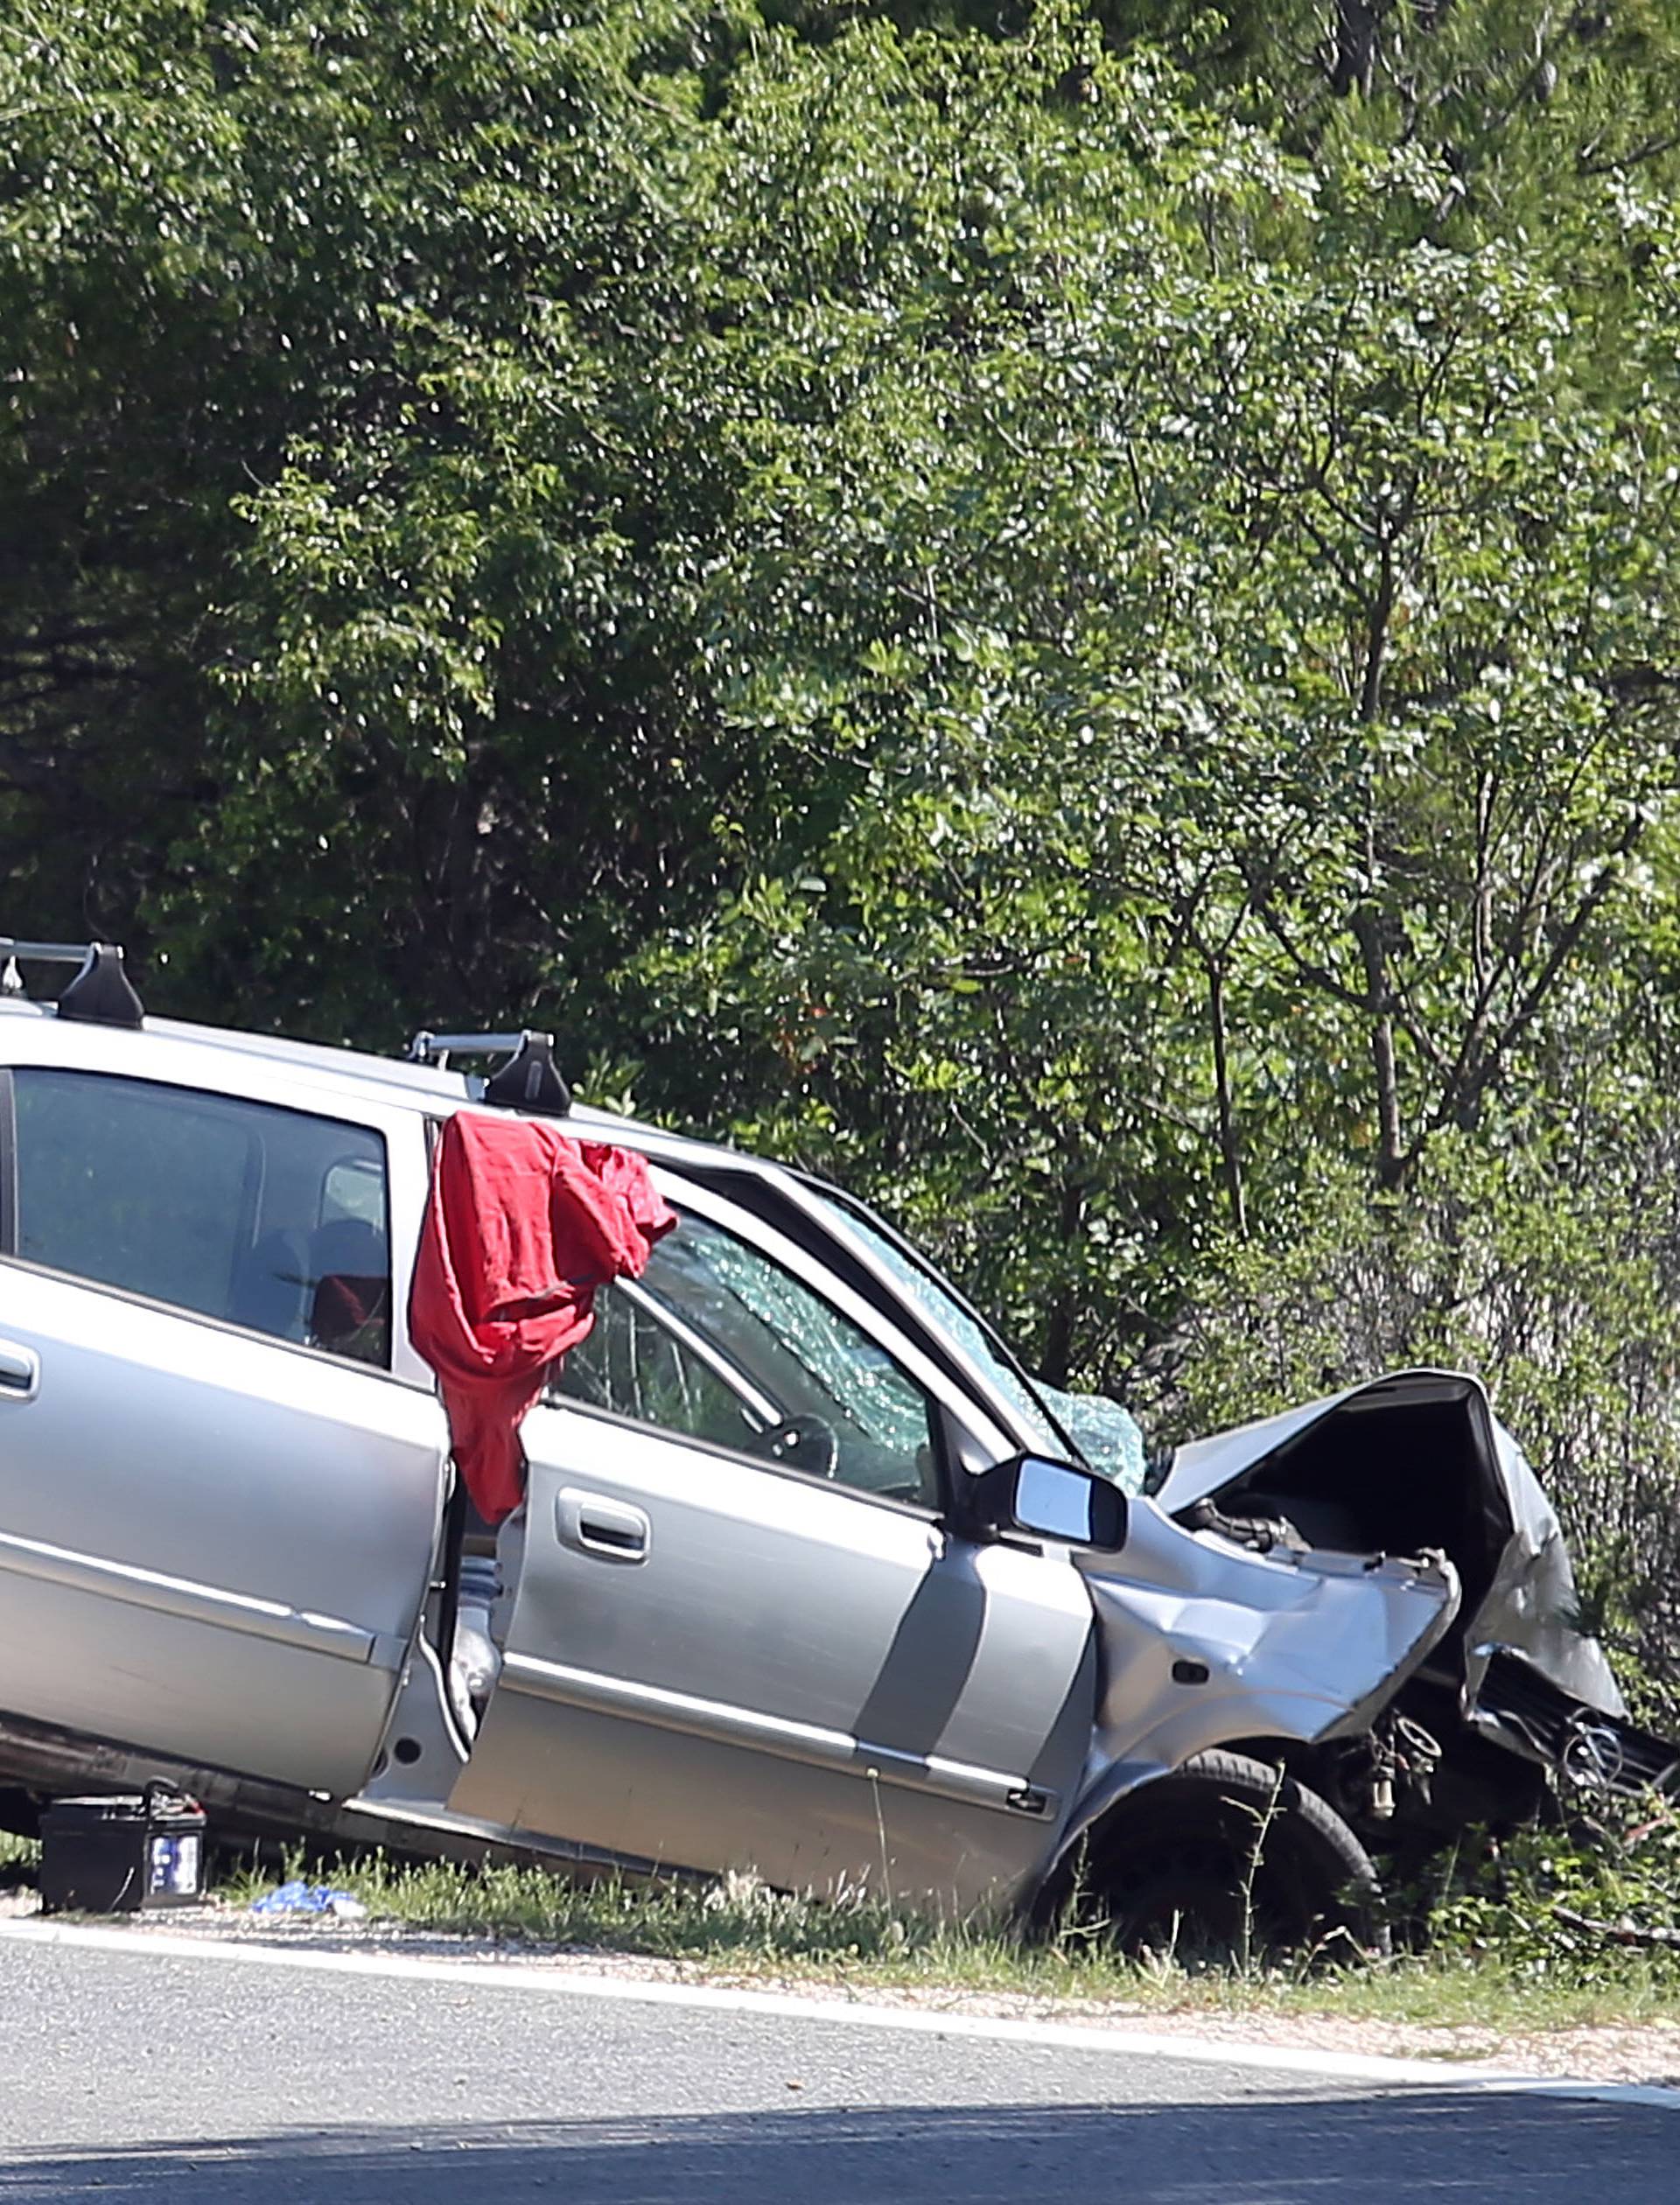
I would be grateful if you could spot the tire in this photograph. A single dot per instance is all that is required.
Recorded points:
(1229, 1859)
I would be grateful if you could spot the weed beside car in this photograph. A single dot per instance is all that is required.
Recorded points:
(1542, 1930)
(1539, 1930)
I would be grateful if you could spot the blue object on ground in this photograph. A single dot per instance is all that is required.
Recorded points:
(310, 1899)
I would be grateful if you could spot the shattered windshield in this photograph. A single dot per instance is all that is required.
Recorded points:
(965, 1328)
(1108, 1435)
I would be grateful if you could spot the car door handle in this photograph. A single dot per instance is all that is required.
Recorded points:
(20, 1372)
(610, 1530)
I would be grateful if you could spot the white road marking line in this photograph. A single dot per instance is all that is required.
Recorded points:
(1376, 2069)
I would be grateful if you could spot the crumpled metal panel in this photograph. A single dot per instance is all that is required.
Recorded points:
(1532, 1604)
(1203, 1642)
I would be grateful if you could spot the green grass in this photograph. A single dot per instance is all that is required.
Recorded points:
(738, 1930)
(17, 1849)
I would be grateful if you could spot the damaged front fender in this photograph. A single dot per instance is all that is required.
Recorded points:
(1203, 1643)
(1532, 1606)
(1417, 1461)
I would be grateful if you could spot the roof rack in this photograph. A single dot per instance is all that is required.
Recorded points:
(99, 990)
(530, 1080)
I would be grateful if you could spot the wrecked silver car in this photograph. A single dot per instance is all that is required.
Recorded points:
(806, 1579)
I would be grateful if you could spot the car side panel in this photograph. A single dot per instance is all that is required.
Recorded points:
(172, 1686)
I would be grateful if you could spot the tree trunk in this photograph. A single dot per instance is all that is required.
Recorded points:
(1229, 1148)
(1057, 1359)
(1392, 1160)
(1355, 56)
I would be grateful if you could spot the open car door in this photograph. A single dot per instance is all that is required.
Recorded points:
(221, 1471)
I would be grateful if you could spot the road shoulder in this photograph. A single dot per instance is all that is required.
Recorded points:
(1628, 2065)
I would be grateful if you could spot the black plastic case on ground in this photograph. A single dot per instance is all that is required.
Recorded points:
(123, 1854)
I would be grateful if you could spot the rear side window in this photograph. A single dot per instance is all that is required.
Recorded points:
(275, 1220)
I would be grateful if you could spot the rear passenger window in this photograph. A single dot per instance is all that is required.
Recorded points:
(270, 1218)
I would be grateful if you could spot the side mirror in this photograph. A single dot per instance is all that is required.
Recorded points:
(1052, 1500)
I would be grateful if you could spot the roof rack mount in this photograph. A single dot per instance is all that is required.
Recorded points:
(530, 1080)
(438, 1049)
(99, 990)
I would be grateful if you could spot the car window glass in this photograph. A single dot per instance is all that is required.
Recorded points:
(632, 1364)
(270, 1218)
(943, 1307)
(718, 1342)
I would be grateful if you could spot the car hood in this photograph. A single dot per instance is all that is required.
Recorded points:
(1528, 1607)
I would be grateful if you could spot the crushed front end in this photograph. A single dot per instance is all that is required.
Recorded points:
(1513, 1699)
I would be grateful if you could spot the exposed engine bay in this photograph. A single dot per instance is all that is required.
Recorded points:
(1515, 1697)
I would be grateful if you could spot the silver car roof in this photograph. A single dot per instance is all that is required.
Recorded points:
(428, 1088)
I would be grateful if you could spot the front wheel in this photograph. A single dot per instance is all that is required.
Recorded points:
(1227, 1859)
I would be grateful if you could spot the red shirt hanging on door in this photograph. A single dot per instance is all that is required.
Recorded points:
(523, 1224)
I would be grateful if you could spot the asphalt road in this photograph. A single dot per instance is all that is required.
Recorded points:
(135, 2077)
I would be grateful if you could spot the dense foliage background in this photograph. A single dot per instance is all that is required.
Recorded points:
(1067, 612)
